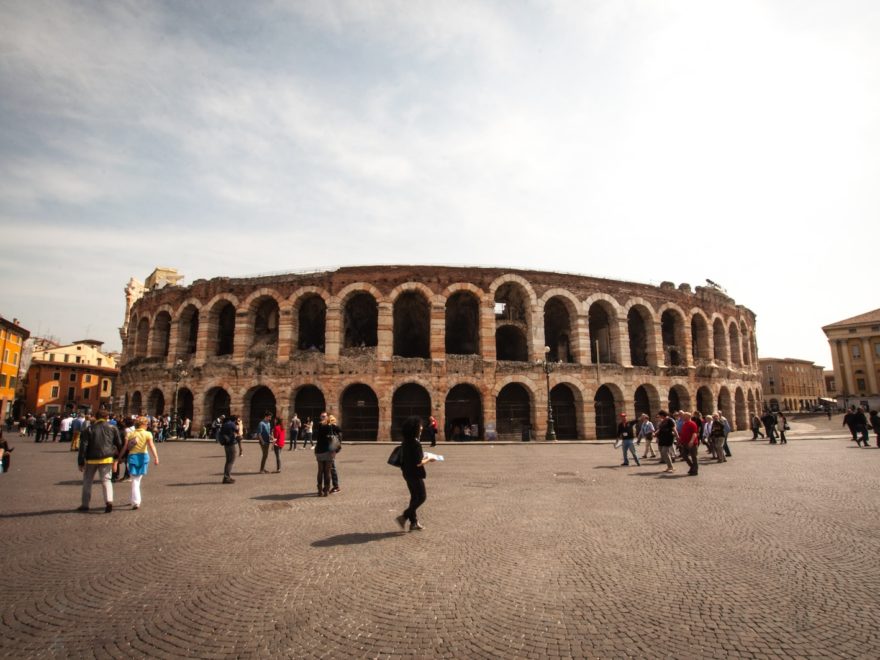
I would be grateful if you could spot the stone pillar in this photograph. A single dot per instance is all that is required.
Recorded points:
(385, 331)
(384, 432)
(658, 343)
(625, 355)
(207, 325)
(487, 329)
(286, 340)
(850, 383)
(438, 330)
(243, 335)
(172, 344)
(580, 342)
(489, 415)
(867, 349)
(588, 411)
(333, 332)
(536, 335)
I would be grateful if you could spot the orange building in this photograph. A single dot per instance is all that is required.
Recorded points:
(72, 378)
(12, 338)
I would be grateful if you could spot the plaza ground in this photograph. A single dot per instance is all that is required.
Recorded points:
(531, 550)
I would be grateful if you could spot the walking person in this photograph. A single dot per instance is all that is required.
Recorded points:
(727, 429)
(769, 420)
(431, 431)
(307, 433)
(689, 440)
(646, 433)
(860, 427)
(278, 442)
(782, 425)
(875, 423)
(138, 448)
(756, 427)
(626, 434)
(229, 437)
(849, 422)
(295, 426)
(324, 454)
(666, 436)
(716, 436)
(264, 434)
(412, 466)
(5, 449)
(100, 445)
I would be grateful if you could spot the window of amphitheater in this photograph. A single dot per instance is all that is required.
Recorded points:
(638, 322)
(735, 348)
(217, 402)
(510, 344)
(720, 341)
(312, 321)
(266, 322)
(142, 338)
(463, 324)
(409, 400)
(412, 325)
(361, 321)
(223, 319)
(601, 334)
(671, 328)
(511, 303)
(156, 403)
(700, 338)
(564, 412)
(161, 335)
(606, 413)
(188, 331)
(558, 330)
(705, 402)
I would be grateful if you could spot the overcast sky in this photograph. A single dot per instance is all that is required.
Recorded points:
(648, 141)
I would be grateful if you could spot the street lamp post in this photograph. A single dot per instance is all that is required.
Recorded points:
(178, 373)
(548, 367)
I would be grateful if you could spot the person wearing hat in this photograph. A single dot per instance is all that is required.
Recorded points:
(626, 434)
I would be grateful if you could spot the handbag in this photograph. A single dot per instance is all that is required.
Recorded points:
(334, 441)
(396, 457)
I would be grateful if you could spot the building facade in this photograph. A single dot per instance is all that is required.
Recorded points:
(791, 384)
(855, 357)
(12, 341)
(477, 348)
(70, 378)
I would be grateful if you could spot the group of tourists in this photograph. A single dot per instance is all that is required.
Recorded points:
(678, 436)
(57, 427)
(774, 424)
(857, 422)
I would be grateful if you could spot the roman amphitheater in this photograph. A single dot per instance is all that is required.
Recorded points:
(480, 349)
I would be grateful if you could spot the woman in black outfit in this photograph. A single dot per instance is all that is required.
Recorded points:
(323, 454)
(412, 462)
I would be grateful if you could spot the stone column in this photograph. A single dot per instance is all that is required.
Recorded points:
(867, 349)
(658, 344)
(385, 331)
(536, 337)
(438, 330)
(333, 332)
(172, 344)
(588, 413)
(206, 327)
(580, 342)
(286, 340)
(489, 415)
(487, 330)
(384, 432)
(242, 336)
(848, 368)
(625, 354)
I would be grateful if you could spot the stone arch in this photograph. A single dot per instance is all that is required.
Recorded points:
(566, 399)
(735, 347)
(160, 336)
(220, 320)
(719, 340)
(412, 322)
(640, 327)
(646, 399)
(705, 400)
(408, 287)
(217, 401)
(263, 308)
(514, 302)
(725, 404)
(560, 325)
(602, 320)
(509, 278)
(463, 409)
(156, 402)
(185, 405)
(311, 322)
(136, 404)
(142, 341)
(187, 319)
(258, 400)
(514, 404)
(740, 416)
(308, 401)
(673, 334)
(701, 348)
(607, 401)
(359, 305)
(409, 399)
(360, 412)
(679, 398)
(462, 316)
(746, 344)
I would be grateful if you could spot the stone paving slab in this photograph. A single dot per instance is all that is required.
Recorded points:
(534, 551)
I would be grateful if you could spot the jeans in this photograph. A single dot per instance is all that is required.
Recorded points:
(277, 451)
(629, 445)
(689, 454)
(294, 434)
(417, 497)
(231, 451)
(727, 449)
(334, 477)
(324, 468)
(103, 470)
(264, 447)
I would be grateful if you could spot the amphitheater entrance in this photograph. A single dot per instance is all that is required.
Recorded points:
(678, 399)
(312, 319)
(601, 334)
(409, 400)
(156, 403)
(558, 330)
(642, 402)
(672, 331)
(361, 321)
(136, 406)
(360, 413)
(463, 418)
(412, 326)
(309, 403)
(704, 400)
(564, 412)
(463, 324)
(185, 404)
(217, 402)
(513, 407)
(606, 414)
(257, 403)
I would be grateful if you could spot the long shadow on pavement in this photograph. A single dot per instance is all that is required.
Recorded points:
(51, 512)
(285, 497)
(354, 539)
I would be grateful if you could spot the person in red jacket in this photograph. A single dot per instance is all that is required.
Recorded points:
(278, 442)
(689, 440)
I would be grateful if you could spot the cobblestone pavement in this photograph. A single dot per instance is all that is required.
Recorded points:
(530, 551)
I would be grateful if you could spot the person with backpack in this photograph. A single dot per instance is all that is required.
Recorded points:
(666, 436)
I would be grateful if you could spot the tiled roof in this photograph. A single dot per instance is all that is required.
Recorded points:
(867, 317)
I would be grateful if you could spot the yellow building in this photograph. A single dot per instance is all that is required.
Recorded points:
(791, 384)
(855, 355)
(12, 338)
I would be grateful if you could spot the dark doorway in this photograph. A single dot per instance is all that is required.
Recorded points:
(156, 403)
(606, 414)
(312, 324)
(674, 401)
(161, 334)
(225, 329)
(463, 324)
(217, 402)
(557, 330)
(601, 336)
(185, 403)
(643, 402)
(670, 328)
(704, 401)
(361, 320)
(266, 322)
(700, 338)
(143, 338)
(136, 407)
(259, 402)
(514, 410)
(564, 412)
(510, 344)
(464, 410)
(360, 413)
(412, 326)
(408, 400)
(309, 403)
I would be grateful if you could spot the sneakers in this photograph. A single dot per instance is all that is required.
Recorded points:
(669, 469)
(335, 489)
(416, 527)
(108, 508)
(401, 520)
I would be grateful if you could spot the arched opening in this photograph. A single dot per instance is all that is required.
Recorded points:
(188, 331)
(265, 322)
(361, 321)
(735, 349)
(224, 340)
(642, 402)
(156, 403)
(558, 330)
(412, 325)
(638, 322)
(463, 413)
(410, 399)
(700, 338)
(671, 328)
(161, 335)
(136, 405)
(564, 412)
(142, 338)
(257, 402)
(217, 403)
(185, 403)
(309, 403)
(720, 340)
(360, 413)
(601, 334)
(679, 399)
(513, 407)
(724, 403)
(740, 420)
(606, 413)
(312, 322)
(704, 400)
(746, 345)
(510, 344)
(753, 409)
(463, 324)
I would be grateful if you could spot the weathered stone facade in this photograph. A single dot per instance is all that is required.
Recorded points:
(374, 344)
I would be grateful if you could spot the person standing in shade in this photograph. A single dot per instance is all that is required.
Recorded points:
(307, 433)
(626, 434)
(230, 438)
(431, 431)
(646, 433)
(689, 440)
(138, 443)
(264, 432)
(100, 445)
(412, 466)
(278, 442)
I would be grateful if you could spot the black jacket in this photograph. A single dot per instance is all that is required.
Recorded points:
(322, 437)
(100, 440)
(411, 455)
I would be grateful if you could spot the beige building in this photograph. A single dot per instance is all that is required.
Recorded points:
(791, 384)
(855, 354)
